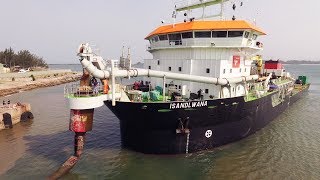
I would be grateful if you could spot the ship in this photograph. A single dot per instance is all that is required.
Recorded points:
(206, 85)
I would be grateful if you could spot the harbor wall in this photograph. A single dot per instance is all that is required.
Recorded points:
(11, 83)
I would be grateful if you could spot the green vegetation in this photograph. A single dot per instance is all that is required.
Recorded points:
(23, 58)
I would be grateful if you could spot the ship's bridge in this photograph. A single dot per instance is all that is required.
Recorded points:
(219, 34)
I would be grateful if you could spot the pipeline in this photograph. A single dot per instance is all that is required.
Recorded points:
(105, 74)
(79, 139)
(81, 122)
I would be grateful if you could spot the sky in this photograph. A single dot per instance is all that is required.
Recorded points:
(53, 29)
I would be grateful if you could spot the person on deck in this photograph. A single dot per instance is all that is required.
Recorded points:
(200, 96)
(94, 84)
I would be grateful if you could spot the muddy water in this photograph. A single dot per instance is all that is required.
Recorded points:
(288, 148)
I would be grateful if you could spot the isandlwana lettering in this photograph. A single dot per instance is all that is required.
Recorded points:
(185, 105)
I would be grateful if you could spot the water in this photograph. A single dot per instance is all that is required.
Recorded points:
(288, 148)
(72, 67)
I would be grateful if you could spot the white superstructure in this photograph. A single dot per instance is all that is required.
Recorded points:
(212, 48)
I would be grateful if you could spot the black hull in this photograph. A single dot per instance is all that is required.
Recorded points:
(154, 129)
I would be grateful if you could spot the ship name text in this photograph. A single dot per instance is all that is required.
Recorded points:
(185, 105)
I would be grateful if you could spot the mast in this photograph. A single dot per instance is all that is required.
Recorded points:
(222, 9)
(196, 4)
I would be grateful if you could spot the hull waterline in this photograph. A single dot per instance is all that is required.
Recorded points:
(154, 128)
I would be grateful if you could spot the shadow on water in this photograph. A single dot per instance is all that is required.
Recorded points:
(12, 144)
(103, 157)
(56, 148)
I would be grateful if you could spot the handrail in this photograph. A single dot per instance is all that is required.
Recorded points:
(77, 91)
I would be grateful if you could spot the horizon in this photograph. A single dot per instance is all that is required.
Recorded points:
(143, 62)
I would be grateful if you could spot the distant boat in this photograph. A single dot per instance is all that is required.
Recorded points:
(24, 70)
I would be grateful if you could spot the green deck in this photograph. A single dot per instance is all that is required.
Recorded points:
(159, 100)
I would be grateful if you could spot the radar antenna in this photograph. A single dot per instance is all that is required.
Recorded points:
(197, 4)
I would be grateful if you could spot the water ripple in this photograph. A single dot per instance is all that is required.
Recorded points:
(288, 148)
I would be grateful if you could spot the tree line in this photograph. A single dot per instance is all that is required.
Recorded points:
(22, 58)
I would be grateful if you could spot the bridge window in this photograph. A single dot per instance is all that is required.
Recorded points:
(224, 71)
(169, 68)
(254, 36)
(208, 70)
(163, 37)
(187, 35)
(158, 62)
(155, 39)
(175, 39)
(149, 67)
(246, 35)
(202, 34)
(230, 70)
(207, 91)
(235, 33)
(180, 69)
(219, 34)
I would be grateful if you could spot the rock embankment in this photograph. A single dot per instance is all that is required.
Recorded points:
(14, 83)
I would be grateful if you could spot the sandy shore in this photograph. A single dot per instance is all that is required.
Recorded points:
(14, 83)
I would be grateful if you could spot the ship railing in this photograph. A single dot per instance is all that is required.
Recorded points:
(189, 3)
(202, 42)
(146, 88)
(107, 63)
(129, 87)
(180, 4)
(77, 91)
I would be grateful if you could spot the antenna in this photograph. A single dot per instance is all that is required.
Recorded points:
(174, 16)
(222, 9)
(122, 51)
(197, 4)
(129, 58)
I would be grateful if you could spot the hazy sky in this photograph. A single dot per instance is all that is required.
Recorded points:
(53, 29)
